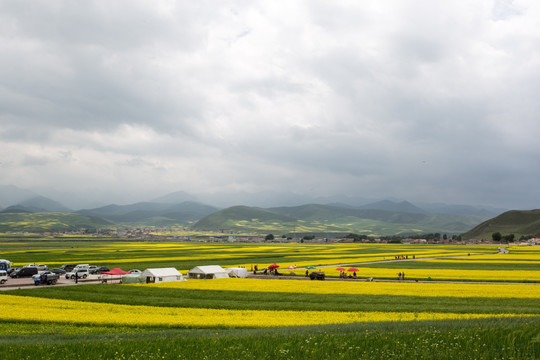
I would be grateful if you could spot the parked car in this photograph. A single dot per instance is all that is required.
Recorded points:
(81, 267)
(102, 268)
(11, 270)
(80, 273)
(42, 267)
(24, 272)
(135, 271)
(68, 267)
(3, 276)
(58, 271)
(30, 266)
(92, 269)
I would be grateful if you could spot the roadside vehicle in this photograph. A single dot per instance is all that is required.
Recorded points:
(80, 273)
(316, 275)
(42, 267)
(3, 276)
(24, 272)
(12, 269)
(5, 265)
(46, 277)
(81, 267)
(68, 267)
(135, 271)
(102, 268)
(92, 269)
(30, 266)
(58, 271)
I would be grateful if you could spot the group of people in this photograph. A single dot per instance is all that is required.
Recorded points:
(343, 275)
(404, 257)
(401, 276)
(271, 272)
(266, 271)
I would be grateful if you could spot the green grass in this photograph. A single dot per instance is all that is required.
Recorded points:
(472, 339)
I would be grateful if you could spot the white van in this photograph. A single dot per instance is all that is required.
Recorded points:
(81, 267)
(3, 276)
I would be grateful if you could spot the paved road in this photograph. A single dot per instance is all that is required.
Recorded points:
(25, 283)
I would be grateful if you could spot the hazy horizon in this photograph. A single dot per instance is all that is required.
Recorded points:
(77, 202)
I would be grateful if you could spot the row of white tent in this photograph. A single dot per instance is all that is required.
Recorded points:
(171, 274)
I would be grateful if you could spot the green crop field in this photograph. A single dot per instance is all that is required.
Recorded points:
(49, 221)
(185, 256)
(272, 318)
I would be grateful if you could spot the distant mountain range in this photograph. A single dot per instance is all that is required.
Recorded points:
(152, 214)
(183, 209)
(11, 195)
(38, 204)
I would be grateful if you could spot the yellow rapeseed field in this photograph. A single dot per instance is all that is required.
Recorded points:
(465, 290)
(445, 274)
(87, 313)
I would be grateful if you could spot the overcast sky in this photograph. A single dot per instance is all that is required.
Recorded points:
(434, 101)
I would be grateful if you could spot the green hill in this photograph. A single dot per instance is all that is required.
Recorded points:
(43, 222)
(330, 219)
(233, 217)
(328, 212)
(517, 222)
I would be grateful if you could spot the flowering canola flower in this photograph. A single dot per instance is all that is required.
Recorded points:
(445, 274)
(90, 313)
(465, 290)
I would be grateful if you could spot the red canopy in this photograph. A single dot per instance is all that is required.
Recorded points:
(115, 271)
(273, 266)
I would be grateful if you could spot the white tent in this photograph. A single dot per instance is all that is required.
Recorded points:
(161, 275)
(208, 272)
(238, 272)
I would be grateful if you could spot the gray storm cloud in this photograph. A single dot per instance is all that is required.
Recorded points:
(372, 99)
